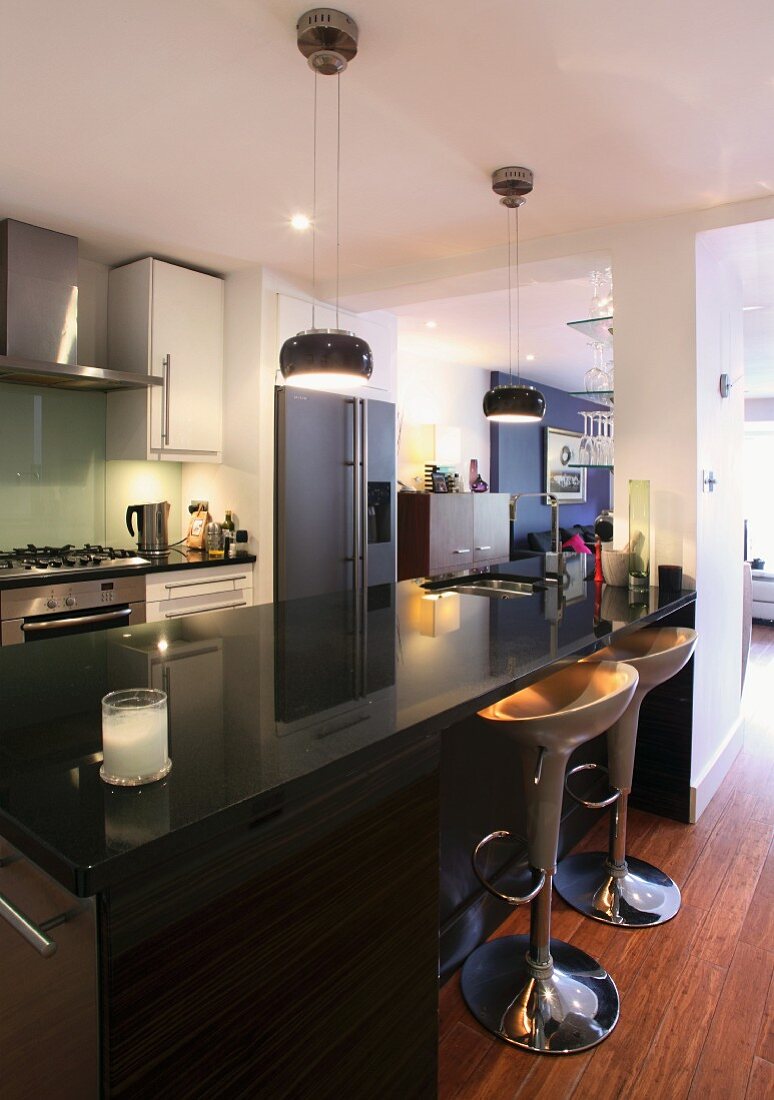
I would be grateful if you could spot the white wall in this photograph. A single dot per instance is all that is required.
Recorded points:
(432, 393)
(719, 534)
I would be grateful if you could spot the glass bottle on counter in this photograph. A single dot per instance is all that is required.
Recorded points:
(229, 534)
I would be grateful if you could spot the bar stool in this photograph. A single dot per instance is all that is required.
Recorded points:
(534, 992)
(608, 886)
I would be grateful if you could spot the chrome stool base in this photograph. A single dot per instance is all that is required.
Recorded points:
(643, 896)
(573, 1009)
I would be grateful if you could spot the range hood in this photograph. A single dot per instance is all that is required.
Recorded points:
(39, 314)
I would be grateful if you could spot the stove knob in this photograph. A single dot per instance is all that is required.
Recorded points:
(70, 601)
(51, 603)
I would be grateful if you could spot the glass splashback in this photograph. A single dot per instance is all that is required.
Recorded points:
(52, 466)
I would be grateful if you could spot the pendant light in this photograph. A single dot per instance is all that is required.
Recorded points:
(514, 403)
(326, 358)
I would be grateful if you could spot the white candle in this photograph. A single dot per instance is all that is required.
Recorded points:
(134, 735)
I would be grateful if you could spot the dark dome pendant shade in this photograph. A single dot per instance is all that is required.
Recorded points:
(325, 358)
(516, 402)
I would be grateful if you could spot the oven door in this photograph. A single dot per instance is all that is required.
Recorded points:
(33, 628)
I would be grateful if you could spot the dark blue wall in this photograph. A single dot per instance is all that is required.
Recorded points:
(518, 464)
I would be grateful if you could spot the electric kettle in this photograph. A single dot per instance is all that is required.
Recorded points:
(152, 527)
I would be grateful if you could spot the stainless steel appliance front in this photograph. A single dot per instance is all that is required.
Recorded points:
(52, 610)
(335, 493)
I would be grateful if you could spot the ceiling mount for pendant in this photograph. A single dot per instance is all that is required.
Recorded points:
(512, 185)
(328, 40)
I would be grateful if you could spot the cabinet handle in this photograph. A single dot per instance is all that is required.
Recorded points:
(207, 580)
(80, 620)
(462, 550)
(167, 367)
(483, 548)
(201, 610)
(27, 928)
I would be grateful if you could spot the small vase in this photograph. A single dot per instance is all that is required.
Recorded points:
(639, 535)
(473, 472)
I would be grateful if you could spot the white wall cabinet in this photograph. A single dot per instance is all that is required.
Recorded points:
(166, 321)
(181, 592)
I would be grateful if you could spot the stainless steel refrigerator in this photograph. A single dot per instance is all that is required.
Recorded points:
(334, 517)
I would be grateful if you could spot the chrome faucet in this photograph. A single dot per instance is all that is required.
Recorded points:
(556, 543)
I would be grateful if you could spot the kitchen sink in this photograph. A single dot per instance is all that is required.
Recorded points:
(494, 587)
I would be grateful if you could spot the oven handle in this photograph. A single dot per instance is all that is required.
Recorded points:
(82, 620)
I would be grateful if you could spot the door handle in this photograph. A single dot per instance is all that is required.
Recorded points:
(167, 374)
(364, 490)
(79, 620)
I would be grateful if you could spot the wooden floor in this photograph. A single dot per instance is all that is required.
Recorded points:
(697, 995)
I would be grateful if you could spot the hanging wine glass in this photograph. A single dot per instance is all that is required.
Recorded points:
(595, 379)
(596, 308)
(585, 447)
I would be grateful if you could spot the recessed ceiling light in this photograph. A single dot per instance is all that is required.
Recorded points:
(529, 358)
(746, 309)
(300, 221)
(431, 324)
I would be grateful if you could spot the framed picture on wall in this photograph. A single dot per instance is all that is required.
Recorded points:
(568, 485)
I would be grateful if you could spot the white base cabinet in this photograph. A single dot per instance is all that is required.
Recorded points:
(166, 321)
(181, 592)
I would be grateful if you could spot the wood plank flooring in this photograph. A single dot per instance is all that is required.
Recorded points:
(697, 994)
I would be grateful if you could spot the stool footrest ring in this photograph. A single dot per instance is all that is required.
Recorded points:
(583, 801)
(502, 834)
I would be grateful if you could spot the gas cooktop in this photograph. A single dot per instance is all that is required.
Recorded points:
(35, 561)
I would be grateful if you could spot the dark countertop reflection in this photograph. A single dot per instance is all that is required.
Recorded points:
(266, 705)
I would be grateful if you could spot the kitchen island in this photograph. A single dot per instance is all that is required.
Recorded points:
(264, 921)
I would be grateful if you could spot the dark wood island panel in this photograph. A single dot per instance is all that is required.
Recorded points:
(298, 961)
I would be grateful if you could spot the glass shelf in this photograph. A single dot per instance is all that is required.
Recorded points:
(595, 328)
(588, 466)
(598, 397)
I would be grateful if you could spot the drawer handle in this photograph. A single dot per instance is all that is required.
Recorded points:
(209, 580)
(462, 550)
(201, 610)
(33, 933)
(483, 548)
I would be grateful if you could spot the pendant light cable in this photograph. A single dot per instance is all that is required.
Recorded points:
(510, 302)
(314, 206)
(518, 303)
(338, 184)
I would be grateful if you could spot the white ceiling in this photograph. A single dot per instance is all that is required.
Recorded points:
(472, 331)
(183, 127)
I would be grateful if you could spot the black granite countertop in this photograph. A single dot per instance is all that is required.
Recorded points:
(182, 558)
(266, 704)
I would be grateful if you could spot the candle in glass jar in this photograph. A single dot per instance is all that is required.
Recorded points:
(134, 736)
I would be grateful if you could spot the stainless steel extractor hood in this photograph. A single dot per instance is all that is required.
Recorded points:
(39, 314)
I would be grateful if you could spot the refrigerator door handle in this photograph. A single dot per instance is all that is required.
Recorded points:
(356, 503)
(364, 490)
